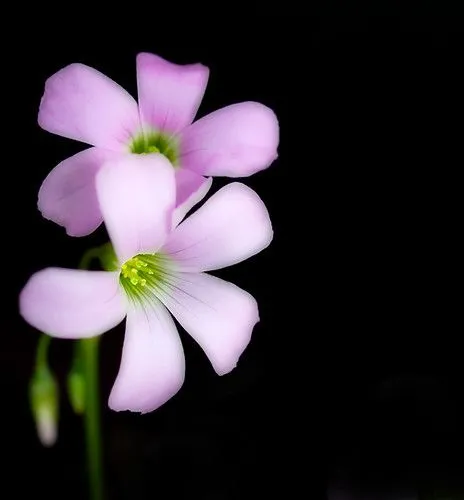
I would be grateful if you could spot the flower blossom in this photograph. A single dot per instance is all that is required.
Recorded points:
(81, 103)
(160, 266)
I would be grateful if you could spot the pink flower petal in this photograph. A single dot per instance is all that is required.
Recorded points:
(191, 188)
(81, 103)
(230, 227)
(70, 303)
(169, 94)
(137, 195)
(217, 314)
(235, 141)
(68, 195)
(152, 366)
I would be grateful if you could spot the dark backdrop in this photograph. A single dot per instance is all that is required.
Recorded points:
(353, 380)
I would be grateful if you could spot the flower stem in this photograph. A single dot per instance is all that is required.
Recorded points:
(42, 351)
(92, 417)
(92, 423)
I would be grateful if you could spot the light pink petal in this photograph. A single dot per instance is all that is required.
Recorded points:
(152, 366)
(169, 94)
(191, 188)
(70, 303)
(230, 227)
(68, 195)
(137, 195)
(235, 141)
(81, 103)
(217, 314)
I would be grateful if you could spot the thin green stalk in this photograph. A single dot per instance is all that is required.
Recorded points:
(42, 351)
(92, 420)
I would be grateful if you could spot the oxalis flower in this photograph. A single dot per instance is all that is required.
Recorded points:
(160, 266)
(81, 103)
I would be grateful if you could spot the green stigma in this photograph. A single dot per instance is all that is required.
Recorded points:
(144, 275)
(156, 142)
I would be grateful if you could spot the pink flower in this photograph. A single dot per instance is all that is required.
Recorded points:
(160, 266)
(83, 104)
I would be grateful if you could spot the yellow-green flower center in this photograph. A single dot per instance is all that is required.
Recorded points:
(156, 142)
(144, 275)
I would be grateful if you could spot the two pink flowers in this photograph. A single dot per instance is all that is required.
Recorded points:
(149, 165)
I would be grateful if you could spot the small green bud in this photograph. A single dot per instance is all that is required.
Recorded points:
(76, 391)
(43, 393)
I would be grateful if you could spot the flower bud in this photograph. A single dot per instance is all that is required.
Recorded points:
(76, 390)
(43, 395)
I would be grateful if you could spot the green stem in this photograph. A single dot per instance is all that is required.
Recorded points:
(42, 351)
(92, 424)
(92, 417)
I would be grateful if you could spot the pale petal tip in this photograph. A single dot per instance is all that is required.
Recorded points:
(236, 141)
(147, 61)
(270, 128)
(24, 296)
(70, 229)
(118, 400)
(48, 212)
(249, 197)
(43, 116)
(230, 358)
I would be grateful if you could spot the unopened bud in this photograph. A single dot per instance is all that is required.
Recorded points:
(46, 427)
(44, 404)
(76, 390)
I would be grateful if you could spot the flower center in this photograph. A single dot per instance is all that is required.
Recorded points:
(144, 275)
(156, 142)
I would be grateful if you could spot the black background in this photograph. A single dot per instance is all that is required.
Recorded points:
(353, 379)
